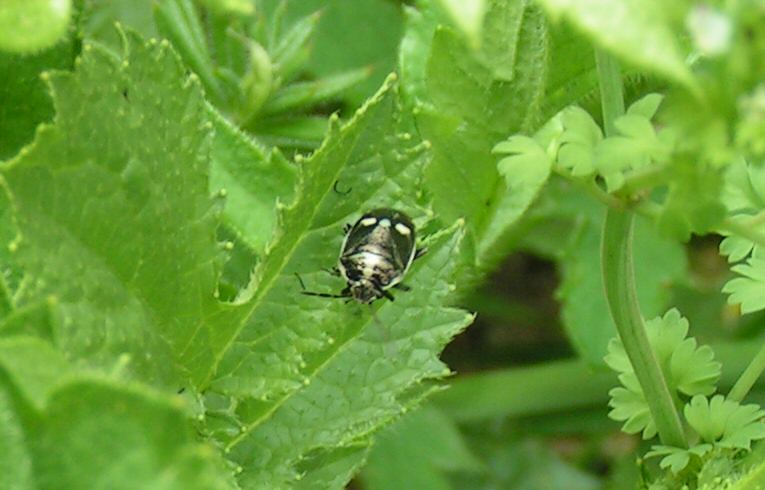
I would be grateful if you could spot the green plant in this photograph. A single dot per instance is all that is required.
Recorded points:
(159, 220)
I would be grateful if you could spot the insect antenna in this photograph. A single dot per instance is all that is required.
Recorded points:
(324, 295)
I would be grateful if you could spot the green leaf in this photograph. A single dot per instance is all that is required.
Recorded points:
(635, 145)
(467, 16)
(294, 353)
(24, 100)
(31, 25)
(252, 181)
(675, 458)
(308, 94)
(725, 422)
(744, 196)
(178, 21)
(115, 193)
(230, 7)
(419, 28)
(11, 274)
(33, 367)
(580, 137)
(525, 172)
(346, 39)
(419, 451)
(292, 49)
(748, 289)
(98, 18)
(126, 435)
(469, 113)
(585, 313)
(688, 369)
(360, 374)
(693, 203)
(637, 31)
(34, 319)
(15, 458)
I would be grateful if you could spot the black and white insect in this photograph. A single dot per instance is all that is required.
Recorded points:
(376, 254)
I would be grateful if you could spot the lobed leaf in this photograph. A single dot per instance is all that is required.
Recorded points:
(688, 369)
(525, 171)
(115, 194)
(748, 290)
(744, 197)
(675, 458)
(293, 354)
(252, 180)
(57, 419)
(473, 104)
(725, 422)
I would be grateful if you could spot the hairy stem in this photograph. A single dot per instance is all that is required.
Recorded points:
(748, 377)
(619, 281)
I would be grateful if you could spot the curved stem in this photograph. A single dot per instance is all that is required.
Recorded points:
(619, 282)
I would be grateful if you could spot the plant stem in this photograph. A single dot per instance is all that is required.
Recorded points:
(748, 377)
(610, 80)
(558, 387)
(619, 281)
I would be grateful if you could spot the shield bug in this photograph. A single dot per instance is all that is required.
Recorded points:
(376, 254)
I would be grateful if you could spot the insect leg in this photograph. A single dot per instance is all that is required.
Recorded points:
(300, 279)
(402, 287)
(420, 252)
(333, 271)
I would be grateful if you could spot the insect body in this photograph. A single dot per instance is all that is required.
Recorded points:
(376, 253)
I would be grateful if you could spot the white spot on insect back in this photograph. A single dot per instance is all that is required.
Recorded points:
(385, 223)
(371, 262)
(368, 221)
(403, 229)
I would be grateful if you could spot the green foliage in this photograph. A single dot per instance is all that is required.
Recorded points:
(725, 422)
(159, 221)
(142, 239)
(21, 81)
(33, 25)
(720, 423)
(462, 87)
(743, 196)
(639, 31)
(110, 217)
(57, 418)
(689, 370)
